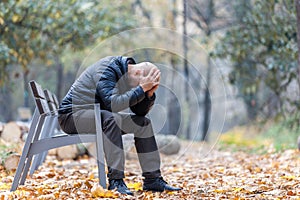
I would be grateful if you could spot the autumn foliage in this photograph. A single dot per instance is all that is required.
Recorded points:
(210, 175)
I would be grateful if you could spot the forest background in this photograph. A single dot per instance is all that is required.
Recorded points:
(224, 63)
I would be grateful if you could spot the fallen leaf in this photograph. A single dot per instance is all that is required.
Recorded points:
(136, 186)
(98, 191)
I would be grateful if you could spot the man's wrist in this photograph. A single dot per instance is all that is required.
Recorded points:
(150, 95)
(143, 88)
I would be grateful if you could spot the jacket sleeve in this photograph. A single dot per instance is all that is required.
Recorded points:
(110, 95)
(142, 108)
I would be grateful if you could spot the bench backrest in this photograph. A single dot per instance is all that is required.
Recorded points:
(50, 100)
(39, 96)
(55, 100)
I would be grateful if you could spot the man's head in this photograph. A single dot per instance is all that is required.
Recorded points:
(136, 71)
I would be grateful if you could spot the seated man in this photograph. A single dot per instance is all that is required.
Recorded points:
(117, 83)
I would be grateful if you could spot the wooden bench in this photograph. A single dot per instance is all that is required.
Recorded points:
(42, 137)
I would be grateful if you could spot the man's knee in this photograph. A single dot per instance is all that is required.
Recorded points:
(105, 115)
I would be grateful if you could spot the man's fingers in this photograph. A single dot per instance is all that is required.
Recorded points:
(155, 84)
(155, 74)
(152, 71)
(157, 77)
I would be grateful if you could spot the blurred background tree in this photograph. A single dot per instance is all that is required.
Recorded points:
(252, 43)
(43, 30)
(210, 17)
(263, 51)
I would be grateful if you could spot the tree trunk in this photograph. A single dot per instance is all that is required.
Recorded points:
(207, 100)
(6, 102)
(207, 103)
(297, 2)
(251, 106)
(174, 114)
(26, 92)
(186, 70)
(59, 83)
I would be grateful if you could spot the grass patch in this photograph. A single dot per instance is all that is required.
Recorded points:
(256, 139)
(6, 149)
(283, 136)
(244, 138)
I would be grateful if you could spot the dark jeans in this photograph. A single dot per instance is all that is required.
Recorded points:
(113, 126)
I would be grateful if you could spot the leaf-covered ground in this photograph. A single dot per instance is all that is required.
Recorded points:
(211, 175)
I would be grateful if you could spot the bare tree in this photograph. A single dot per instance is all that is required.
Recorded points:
(186, 67)
(60, 76)
(173, 105)
(209, 17)
(138, 5)
(297, 2)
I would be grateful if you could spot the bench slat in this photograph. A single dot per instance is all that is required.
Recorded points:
(42, 106)
(37, 90)
(48, 96)
(59, 141)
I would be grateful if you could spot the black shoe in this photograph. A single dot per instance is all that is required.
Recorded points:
(158, 185)
(120, 185)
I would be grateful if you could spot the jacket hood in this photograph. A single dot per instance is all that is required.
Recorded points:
(124, 63)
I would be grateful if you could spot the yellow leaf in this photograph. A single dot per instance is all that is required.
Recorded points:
(170, 192)
(14, 53)
(288, 177)
(91, 176)
(238, 189)
(40, 190)
(20, 192)
(5, 186)
(219, 191)
(56, 195)
(257, 169)
(15, 18)
(136, 186)
(175, 169)
(57, 15)
(98, 191)
(1, 21)
(77, 184)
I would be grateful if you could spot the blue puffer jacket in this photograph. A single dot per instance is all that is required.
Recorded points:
(105, 82)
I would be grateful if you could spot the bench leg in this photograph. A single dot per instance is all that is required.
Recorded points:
(37, 159)
(25, 172)
(25, 151)
(43, 155)
(53, 126)
(99, 145)
(36, 135)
